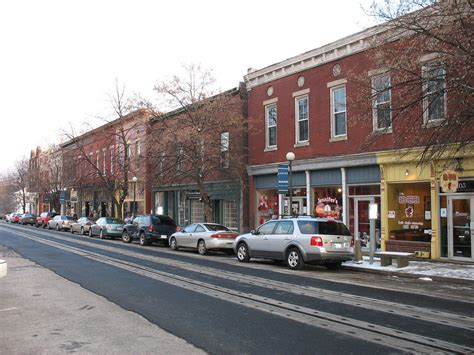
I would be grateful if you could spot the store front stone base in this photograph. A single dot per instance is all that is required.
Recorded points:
(407, 246)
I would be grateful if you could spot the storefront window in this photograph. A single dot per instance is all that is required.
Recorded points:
(328, 202)
(231, 214)
(267, 205)
(159, 202)
(409, 212)
(299, 202)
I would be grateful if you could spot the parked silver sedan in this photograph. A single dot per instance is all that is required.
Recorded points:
(82, 225)
(204, 237)
(61, 222)
(107, 227)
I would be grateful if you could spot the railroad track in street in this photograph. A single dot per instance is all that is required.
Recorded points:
(390, 337)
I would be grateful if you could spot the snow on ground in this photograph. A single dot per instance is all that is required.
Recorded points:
(425, 268)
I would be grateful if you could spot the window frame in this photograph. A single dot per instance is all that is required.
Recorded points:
(332, 90)
(299, 141)
(267, 126)
(427, 121)
(225, 149)
(375, 104)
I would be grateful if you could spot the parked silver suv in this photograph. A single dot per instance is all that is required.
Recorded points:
(297, 241)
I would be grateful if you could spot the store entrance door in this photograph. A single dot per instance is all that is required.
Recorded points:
(361, 220)
(460, 227)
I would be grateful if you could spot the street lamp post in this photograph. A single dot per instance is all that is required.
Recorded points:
(134, 195)
(290, 156)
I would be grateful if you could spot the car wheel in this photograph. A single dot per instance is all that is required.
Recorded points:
(294, 260)
(82, 230)
(71, 230)
(143, 240)
(126, 237)
(101, 234)
(57, 227)
(37, 225)
(332, 266)
(202, 250)
(49, 226)
(44, 226)
(90, 233)
(173, 244)
(243, 253)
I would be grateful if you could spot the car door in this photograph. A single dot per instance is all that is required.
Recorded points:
(279, 239)
(258, 242)
(135, 225)
(196, 235)
(185, 238)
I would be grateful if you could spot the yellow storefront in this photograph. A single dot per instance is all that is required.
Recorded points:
(417, 215)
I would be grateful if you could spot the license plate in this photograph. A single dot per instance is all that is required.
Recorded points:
(337, 245)
(164, 236)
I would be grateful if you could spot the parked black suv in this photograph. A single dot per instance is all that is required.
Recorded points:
(149, 228)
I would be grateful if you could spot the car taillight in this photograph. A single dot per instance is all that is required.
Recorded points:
(317, 241)
(150, 229)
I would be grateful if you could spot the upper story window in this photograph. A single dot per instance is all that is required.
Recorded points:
(434, 92)
(338, 112)
(225, 149)
(382, 102)
(179, 158)
(104, 161)
(112, 162)
(271, 125)
(302, 119)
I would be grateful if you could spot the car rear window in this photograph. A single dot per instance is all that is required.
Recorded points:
(113, 221)
(69, 218)
(322, 227)
(216, 227)
(162, 220)
(333, 228)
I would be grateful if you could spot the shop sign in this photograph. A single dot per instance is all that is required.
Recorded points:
(282, 178)
(328, 207)
(449, 181)
(402, 199)
(74, 195)
(466, 186)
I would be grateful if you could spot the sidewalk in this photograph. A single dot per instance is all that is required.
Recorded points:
(424, 270)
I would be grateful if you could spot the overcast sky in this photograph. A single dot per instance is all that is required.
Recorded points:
(59, 59)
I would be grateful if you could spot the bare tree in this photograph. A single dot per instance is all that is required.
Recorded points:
(112, 168)
(7, 196)
(427, 49)
(19, 181)
(203, 139)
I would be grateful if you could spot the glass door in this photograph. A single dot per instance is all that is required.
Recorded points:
(460, 227)
(361, 220)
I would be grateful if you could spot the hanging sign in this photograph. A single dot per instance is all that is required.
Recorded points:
(283, 178)
(448, 181)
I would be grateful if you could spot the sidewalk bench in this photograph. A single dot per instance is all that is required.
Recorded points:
(387, 256)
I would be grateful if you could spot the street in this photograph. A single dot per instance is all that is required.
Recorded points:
(183, 302)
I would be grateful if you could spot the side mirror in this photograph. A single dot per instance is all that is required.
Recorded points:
(254, 232)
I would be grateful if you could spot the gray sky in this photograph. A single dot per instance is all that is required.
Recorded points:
(59, 59)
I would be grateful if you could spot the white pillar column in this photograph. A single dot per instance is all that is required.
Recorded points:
(309, 197)
(345, 207)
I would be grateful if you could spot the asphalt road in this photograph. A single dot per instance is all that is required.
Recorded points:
(215, 304)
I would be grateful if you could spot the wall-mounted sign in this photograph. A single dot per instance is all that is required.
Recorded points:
(283, 178)
(402, 199)
(448, 181)
(391, 214)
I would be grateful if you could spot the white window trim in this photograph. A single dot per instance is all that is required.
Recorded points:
(339, 137)
(267, 127)
(104, 161)
(299, 142)
(112, 157)
(426, 120)
(374, 104)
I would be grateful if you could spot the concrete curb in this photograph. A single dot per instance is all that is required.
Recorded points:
(450, 280)
(3, 268)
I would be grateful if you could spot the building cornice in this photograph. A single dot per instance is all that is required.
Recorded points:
(341, 48)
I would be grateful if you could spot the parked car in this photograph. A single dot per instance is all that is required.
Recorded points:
(82, 225)
(15, 218)
(149, 228)
(298, 241)
(107, 227)
(61, 222)
(204, 237)
(8, 216)
(43, 219)
(27, 218)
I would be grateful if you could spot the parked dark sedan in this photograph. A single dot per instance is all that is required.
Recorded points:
(27, 218)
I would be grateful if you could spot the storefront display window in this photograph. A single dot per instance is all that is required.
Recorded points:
(267, 205)
(409, 212)
(328, 202)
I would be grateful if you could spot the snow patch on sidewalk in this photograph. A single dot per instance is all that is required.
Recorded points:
(449, 270)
